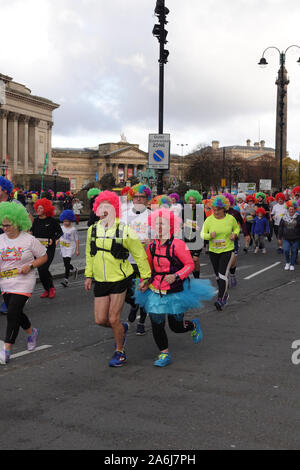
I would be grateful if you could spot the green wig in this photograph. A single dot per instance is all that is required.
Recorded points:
(16, 214)
(93, 192)
(263, 195)
(193, 193)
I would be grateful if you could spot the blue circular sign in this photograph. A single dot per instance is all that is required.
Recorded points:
(158, 155)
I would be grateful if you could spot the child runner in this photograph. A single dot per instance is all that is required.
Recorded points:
(69, 244)
(260, 229)
(20, 254)
(168, 292)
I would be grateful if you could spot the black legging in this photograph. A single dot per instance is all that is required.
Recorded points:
(68, 266)
(176, 324)
(221, 263)
(15, 316)
(129, 299)
(44, 273)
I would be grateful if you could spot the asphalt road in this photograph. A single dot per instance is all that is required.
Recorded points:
(238, 389)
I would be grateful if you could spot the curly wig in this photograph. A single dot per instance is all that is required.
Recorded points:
(49, 209)
(230, 198)
(263, 195)
(109, 197)
(175, 196)
(241, 196)
(67, 214)
(6, 185)
(270, 199)
(16, 214)
(296, 190)
(280, 196)
(125, 191)
(221, 202)
(161, 201)
(193, 193)
(139, 188)
(93, 192)
(291, 203)
(164, 213)
(261, 210)
(250, 198)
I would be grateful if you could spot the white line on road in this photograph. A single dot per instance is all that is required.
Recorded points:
(262, 270)
(24, 353)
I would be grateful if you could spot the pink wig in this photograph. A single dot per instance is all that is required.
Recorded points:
(164, 213)
(110, 198)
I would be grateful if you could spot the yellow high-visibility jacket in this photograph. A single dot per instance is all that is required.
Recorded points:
(104, 267)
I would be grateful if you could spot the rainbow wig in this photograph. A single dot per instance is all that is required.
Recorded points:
(221, 202)
(6, 185)
(164, 213)
(49, 209)
(263, 195)
(230, 198)
(93, 192)
(139, 188)
(280, 196)
(67, 214)
(161, 201)
(195, 194)
(291, 203)
(16, 214)
(175, 196)
(109, 197)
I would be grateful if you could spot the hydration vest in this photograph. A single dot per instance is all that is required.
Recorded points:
(117, 249)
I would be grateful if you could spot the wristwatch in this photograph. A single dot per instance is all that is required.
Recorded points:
(176, 276)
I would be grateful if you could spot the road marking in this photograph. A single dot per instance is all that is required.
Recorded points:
(24, 353)
(262, 270)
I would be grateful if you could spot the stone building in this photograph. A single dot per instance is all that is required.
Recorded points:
(25, 129)
(248, 151)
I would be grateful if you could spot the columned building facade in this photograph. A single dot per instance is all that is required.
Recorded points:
(25, 130)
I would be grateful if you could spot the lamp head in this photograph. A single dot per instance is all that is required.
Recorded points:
(262, 63)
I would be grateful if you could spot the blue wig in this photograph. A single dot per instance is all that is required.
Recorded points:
(6, 185)
(67, 215)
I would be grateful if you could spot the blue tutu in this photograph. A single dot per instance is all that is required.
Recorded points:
(194, 293)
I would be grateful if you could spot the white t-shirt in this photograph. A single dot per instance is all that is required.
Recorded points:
(68, 241)
(177, 209)
(15, 253)
(278, 212)
(139, 223)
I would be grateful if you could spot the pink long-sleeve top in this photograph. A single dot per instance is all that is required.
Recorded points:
(163, 264)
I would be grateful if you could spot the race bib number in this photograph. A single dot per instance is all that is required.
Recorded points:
(157, 291)
(219, 244)
(191, 223)
(9, 273)
(249, 218)
(44, 241)
(66, 244)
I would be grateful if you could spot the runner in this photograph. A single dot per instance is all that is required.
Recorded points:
(47, 230)
(221, 229)
(69, 244)
(136, 217)
(278, 211)
(108, 245)
(192, 224)
(20, 254)
(260, 229)
(289, 233)
(250, 214)
(168, 292)
(176, 207)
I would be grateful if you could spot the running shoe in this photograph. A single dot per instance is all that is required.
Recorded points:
(45, 294)
(3, 308)
(225, 299)
(65, 283)
(256, 250)
(292, 268)
(126, 327)
(118, 359)
(75, 274)
(197, 331)
(264, 251)
(163, 360)
(32, 339)
(52, 292)
(219, 304)
(287, 266)
(4, 357)
(233, 281)
(140, 329)
(132, 313)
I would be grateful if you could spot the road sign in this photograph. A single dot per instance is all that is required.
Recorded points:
(246, 187)
(159, 151)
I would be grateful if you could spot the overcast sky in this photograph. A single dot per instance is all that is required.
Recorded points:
(98, 60)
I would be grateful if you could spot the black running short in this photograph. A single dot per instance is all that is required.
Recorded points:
(103, 289)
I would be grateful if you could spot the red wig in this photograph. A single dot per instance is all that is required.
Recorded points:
(296, 190)
(49, 209)
(250, 198)
(260, 210)
(110, 198)
(280, 196)
(270, 199)
(164, 213)
(125, 190)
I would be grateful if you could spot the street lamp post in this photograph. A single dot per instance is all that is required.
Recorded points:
(3, 167)
(281, 112)
(55, 174)
(182, 161)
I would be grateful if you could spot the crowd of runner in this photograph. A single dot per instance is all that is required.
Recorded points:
(140, 250)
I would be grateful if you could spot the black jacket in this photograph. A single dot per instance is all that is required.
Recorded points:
(47, 228)
(289, 231)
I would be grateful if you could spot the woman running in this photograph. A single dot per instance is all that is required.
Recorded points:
(221, 230)
(20, 254)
